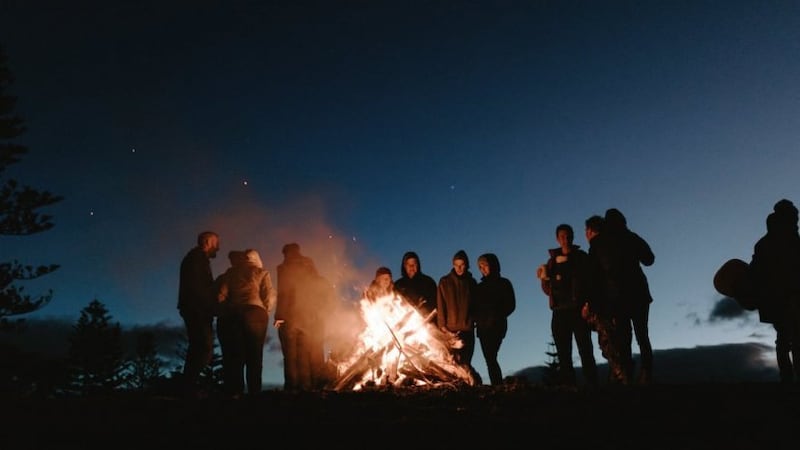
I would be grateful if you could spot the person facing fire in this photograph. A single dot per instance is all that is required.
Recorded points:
(246, 299)
(196, 302)
(454, 304)
(416, 287)
(304, 298)
(494, 302)
(382, 285)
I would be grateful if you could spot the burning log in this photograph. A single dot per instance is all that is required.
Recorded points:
(397, 347)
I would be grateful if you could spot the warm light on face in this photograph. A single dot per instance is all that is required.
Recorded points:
(398, 347)
(460, 266)
(411, 266)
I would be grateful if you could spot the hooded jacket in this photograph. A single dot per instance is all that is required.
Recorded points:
(494, 300)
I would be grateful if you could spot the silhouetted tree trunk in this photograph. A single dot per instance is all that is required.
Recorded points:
(96, 355)
(19, 212)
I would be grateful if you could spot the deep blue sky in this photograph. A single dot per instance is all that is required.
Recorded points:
(362, 130)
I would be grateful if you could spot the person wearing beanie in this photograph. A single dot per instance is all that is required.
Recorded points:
(416, 287)
(455, 299)
(382, 285)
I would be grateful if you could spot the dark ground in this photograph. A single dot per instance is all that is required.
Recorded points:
(697, 416)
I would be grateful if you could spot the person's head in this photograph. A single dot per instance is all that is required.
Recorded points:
(615, 220)
(564, 235)
(488, 264)
(237, 258)
(594, 226)
(290, 250)
(253, 258)
(208, 241)
(383, 277)
(460, 262)
(410, 265)
(787, 213)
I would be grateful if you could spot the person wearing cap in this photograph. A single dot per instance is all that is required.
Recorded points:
(246, 297)
(454, 304)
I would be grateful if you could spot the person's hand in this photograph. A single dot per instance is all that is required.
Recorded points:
(278, 323)
(585, 311)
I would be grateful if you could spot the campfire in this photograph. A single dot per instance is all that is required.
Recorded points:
(399, 347)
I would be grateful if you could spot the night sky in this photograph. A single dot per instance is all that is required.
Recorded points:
(364, 129)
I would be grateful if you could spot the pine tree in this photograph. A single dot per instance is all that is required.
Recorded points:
(145, 366)
(552, 368)
(19, 212)
(96, 355)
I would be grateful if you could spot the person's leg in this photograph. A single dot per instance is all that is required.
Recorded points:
(490, 346)
(640, 318)
(255, 332)
(200, 348)
(583, 340)
(561, 328)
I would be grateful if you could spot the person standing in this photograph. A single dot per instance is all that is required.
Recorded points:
(196, 304)
(599, 310)
(634, 292)
(494, 302)
(415, 286)
(303, 296)
(246, 297)
(775, 266)
(454, 304)
(565, 283)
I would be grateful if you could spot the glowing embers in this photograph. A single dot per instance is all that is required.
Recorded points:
(398, 347)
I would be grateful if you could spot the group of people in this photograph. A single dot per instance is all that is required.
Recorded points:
(603, 290)
(242, 299)
(458, 304)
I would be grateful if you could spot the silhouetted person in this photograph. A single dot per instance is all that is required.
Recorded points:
(494, 302)
(197, 306)
(246, 298)
(304, 300)
(415, 286)
(455, 301)
(775, 268)
(565, 284)
(598, 310)
(634, 291)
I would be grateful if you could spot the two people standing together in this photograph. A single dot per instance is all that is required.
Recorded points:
(605, 290)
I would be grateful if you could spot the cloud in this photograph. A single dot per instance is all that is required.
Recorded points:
(727, 308)
(726, 363)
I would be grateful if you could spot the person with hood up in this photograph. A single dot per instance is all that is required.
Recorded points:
(246, 297)
(415, 286)
(494, 302)
(455, 303)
